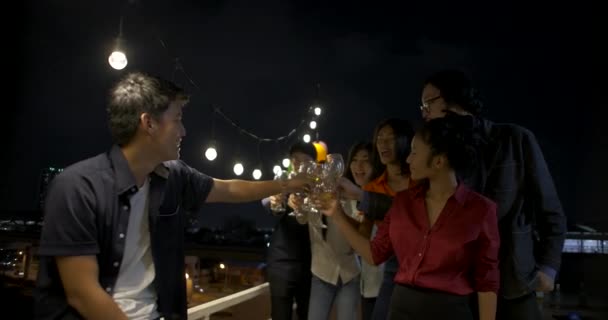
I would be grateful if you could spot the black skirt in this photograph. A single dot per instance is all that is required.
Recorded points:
(410, 303)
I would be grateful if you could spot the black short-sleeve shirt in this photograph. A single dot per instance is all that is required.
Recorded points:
(86, 213)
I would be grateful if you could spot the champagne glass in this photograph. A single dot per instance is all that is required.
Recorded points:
(279, 206)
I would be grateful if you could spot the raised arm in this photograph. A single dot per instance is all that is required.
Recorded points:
(375, 252)
(234, 191)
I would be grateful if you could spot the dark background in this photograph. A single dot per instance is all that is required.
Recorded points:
(535, 64)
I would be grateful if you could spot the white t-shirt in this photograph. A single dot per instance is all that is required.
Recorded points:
(134, 291)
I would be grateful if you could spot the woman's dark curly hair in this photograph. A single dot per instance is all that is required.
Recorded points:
(455, 136)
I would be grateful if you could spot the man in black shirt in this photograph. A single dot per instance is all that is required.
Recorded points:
(289, 253)
(112, 241)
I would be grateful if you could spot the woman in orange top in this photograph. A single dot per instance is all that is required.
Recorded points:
(392, 139)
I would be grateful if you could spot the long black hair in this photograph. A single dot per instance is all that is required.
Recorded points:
(354, 149)
(404, 133)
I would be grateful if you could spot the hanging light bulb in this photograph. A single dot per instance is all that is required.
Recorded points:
(286, 162)
(318, 111)
(277, 170)
(306, 138)
(211, 152)
(118, 60)
(313, 124)
(257, 174)
(238, 169)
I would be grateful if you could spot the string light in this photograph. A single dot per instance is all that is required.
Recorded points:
(306, 138)
(243, 131)
(277, 170)
(286, 162)
(257, 174)
(118, 59)
(219, 112)
(238, 169)
(313, 124)
(318, 111)
(211, 152)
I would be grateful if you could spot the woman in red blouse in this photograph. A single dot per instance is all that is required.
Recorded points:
(445, 236)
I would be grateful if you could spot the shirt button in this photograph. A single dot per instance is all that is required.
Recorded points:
(122, 235)
(125, 208)
(116, 263)
(108, 289)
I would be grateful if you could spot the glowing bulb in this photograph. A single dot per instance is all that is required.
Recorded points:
(286, 162)
(313, 125)
(257, 174)
(277, 170)
(222, 266)
(187, 276)
(211, 153)
(238, 169)
(318, 111)
(118, 60)
(306, 138)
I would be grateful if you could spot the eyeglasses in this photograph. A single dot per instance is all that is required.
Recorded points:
(426, 105)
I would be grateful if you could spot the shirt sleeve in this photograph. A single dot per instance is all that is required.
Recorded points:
(486, 266)
(381, 245)
(548, 211)
(197, 185)
(69, 218)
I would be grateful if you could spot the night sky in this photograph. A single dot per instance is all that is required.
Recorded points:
(260, 62)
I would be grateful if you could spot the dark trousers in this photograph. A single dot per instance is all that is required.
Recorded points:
(408, 303)
(283, 292)
(522, 308)
(367, 308)
(386, 289)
